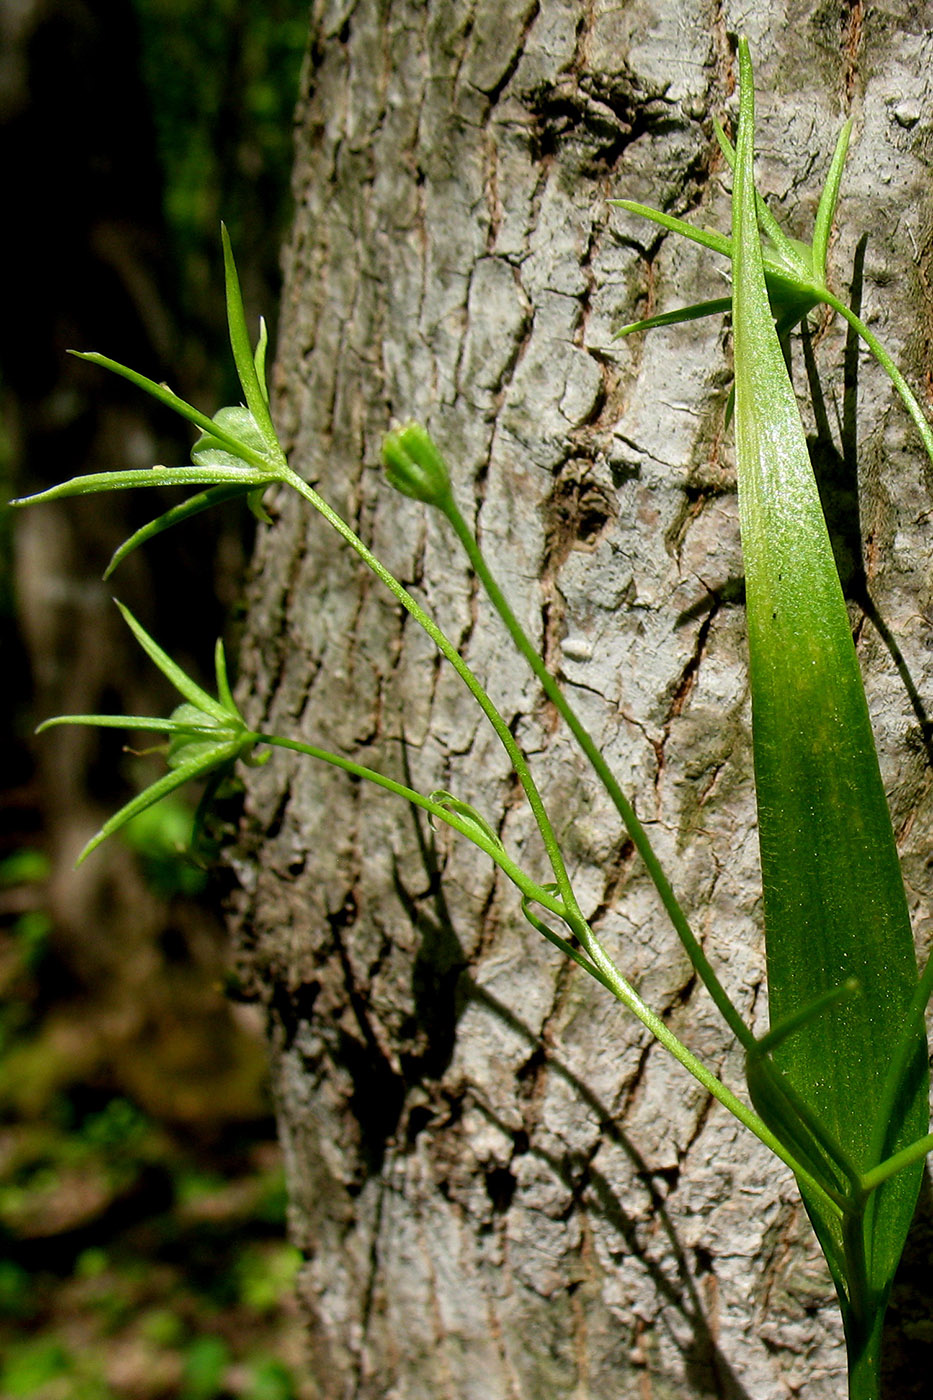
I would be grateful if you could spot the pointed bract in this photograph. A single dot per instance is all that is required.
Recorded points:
(794, 272)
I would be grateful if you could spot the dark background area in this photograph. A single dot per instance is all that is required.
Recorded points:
(142, 1238)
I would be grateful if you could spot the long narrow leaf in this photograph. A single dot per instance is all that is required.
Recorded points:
(833, 896)
(182, 683)
(766, 220)
(828, 201)
(214, 496)
(224, 693)
(143, 723)
(171, 400)
(708, 237)
(197, 768)
(243, 354)
(259, 357)
(151, 476)
(683, 313)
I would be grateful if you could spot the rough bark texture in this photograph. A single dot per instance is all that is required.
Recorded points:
(504, 1189)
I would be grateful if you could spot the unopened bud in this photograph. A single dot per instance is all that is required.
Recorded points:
(414, 466)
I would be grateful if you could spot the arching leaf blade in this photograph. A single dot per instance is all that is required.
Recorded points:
(719, 307)
(215, 495)
(245, 357)
(833, 894)
(220, 755)
(183, 683)
(828, 200)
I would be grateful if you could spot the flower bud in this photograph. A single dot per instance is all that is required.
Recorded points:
(414, 466)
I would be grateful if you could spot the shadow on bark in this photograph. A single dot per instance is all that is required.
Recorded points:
(836, 471)
(443, 987)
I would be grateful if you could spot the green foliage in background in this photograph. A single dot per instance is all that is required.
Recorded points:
(223, 80)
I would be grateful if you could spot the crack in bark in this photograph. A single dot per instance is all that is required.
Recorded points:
(853, 22)
(379, 1090)
(682, 690)
(531, 14)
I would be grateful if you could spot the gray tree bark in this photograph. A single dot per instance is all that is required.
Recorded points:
(504, 1189)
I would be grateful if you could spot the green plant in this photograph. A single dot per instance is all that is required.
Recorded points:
(839, 1083)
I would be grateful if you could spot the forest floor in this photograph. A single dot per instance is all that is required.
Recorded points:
(142, 1256)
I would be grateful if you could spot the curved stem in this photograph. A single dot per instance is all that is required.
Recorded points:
(621, 803)
(863, 1347)
(529, 888)
(624, 992)
(570, 912)
(444, 645)
(567, 948)
(603, 968)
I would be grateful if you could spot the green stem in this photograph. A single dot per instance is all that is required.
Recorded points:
(603, 968)
(860, 1316)
(863, 1348)
(447, 649)
(624, 992)
(529, 888)
(567, 948)
(621, 803)
(611, 977)
(915, 1152)
(884, 359)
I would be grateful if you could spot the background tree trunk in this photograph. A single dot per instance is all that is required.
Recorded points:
(503, 1188)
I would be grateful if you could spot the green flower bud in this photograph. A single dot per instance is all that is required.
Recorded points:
(185, 745)
(414, 466)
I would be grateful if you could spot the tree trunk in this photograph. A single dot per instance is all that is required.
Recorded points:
(504, 1189)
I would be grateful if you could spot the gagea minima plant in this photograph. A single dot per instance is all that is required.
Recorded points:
(838, 1087)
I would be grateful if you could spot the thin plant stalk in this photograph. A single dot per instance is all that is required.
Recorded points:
(626, 811)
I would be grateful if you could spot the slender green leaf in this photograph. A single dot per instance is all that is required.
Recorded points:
(828, 200)
(259, 358)
(182, 683)
(144, 723)
(912, 1035)
(805, 1014)
(242, 350)
(833, 896)
(171, 400)
(242, 476)
(766, 220)
(708, 237)
(194, 505)
(224, 693)
(219, 755)
(683, 313)
(560, 942)
(889, 367)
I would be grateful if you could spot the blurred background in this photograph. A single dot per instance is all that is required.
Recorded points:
(142, 1237)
